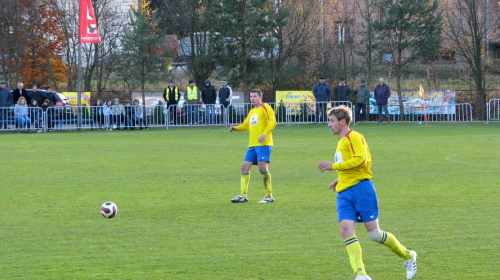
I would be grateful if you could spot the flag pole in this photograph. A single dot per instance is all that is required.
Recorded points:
(79, 85)
(425, 109)
(88, 33)
(79, 88)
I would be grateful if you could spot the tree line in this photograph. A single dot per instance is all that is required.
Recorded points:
(270, 44)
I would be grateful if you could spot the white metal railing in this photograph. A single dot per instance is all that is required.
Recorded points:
(461, 112)
(161, 116)
(29, 120)
(493, 110)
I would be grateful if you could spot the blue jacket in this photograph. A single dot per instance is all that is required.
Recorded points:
(381, 93)
(6, 98)
(322, 92)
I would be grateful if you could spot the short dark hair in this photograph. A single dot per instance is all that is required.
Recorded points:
(258, 91)
(341, 112)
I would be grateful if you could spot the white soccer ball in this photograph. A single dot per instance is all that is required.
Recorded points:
(109, 210)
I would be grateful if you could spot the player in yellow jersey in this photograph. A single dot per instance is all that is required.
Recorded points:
(260, 123)
(356, 199)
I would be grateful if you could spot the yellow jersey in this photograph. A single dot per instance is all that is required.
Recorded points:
(352, 160)
(260, 120)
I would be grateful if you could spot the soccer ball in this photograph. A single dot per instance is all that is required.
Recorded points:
(109, 210)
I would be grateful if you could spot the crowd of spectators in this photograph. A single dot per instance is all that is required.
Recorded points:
(26, 106)
(111, 115)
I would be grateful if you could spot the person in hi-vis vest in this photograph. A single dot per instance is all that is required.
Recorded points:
(171, 96)
(192, 97)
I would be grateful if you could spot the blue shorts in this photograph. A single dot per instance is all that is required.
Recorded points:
(358, 203)
(258, 153)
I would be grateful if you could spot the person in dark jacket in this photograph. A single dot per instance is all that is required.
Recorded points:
(18, 92)
(97, 114)
(47, 112)
(209, 97)
(362, 96)
(36, 95)
(34, 114)
(225, 94)
(171, 96)
(323, 94)
(129, 115)
(382, 94)
(341, 93)
(5, 103)
(52, 96)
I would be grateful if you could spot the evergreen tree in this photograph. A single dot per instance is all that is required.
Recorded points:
(142, 57)
(410, 31)
(189, 20)
(241, 35)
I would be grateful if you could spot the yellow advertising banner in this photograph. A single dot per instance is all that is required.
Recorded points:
(73, 98)
(297, 102)
(294, 96)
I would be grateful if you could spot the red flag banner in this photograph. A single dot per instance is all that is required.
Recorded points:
(88, 23)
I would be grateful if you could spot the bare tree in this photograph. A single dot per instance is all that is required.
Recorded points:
(291, 42)
(110, 20)
(67, 15)
(188, 20)
(368, 11)
(466, 29)
(97, 63)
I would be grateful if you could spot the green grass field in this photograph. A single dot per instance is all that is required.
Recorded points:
(438, 187)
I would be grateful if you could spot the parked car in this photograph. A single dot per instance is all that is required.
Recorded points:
(64, 99)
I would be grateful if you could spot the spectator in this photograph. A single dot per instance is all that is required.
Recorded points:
(128, 115)
(342, 93)
(37, 95)
(171, 96)
(5, 103)
(192, 98)
(52, 96)
(209, 96)
(225, 94)
(137, 115)
(18, 92)
(108, 115)
(97, 113)
(362, 96)
(323, 94)
(118, 113)
(21, 114)
(34, 114)
(48, 113)
(53, 100)
(382, 94)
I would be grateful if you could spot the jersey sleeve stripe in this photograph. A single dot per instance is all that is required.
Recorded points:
(264, 106)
